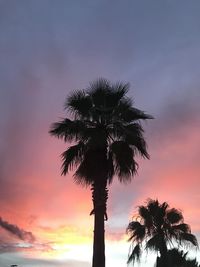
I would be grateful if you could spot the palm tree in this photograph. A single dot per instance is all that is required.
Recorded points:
(156, 227)
(107, 134)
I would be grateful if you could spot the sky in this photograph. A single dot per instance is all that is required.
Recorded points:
(50, 48)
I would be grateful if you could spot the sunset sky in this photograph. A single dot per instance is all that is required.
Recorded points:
(49, 48)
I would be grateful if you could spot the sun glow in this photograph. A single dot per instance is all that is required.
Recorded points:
(66, 242)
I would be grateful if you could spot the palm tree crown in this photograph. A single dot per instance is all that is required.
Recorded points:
(102, 119)
(156, 227)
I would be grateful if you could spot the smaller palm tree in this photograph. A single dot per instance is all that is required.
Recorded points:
(156, 228)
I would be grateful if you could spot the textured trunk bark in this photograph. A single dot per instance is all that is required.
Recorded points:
(99, 202)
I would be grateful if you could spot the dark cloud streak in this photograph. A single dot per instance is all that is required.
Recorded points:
(16, 231)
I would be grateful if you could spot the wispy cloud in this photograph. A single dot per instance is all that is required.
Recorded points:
(16, 231)
(24, 241)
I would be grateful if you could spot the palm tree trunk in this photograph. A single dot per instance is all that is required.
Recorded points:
(163, 255)
(99, 195)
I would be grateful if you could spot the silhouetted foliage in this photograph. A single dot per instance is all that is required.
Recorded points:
(155, 228)
(107, 133)
(178, 258)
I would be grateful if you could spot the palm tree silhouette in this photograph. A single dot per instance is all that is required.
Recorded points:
(156, 227)
(108, 135)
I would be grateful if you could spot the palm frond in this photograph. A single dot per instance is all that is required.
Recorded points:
(123, 108)
(133, 136)
(98, 91)
(136, 230)
(187, 238)
(154, 243)
(174, 216)
(135, 254)
(79, 103)
(69, 130)
(111, 169)
(132, 226)
(105, 96)
(145, 216)
(72, 157)
(138, 114)
(116, 131)
(182, 227)
(124, 163)
(164, 206)
(118, 92)
(157, 210)
(153, 206)
(129, 114)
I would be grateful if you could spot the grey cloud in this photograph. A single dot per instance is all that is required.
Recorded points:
(12, 247)
(6, 247)
(16, 231)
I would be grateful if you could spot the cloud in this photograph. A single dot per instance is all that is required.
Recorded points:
(14, 247)
(27, 243)
(25, 247)
(16, 231)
